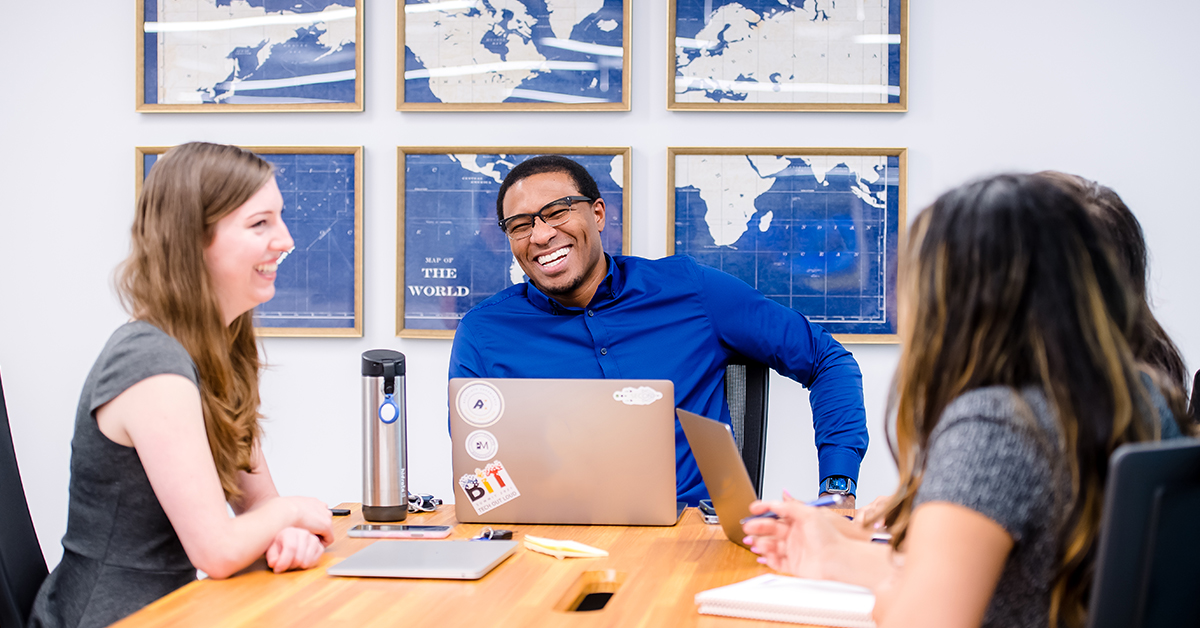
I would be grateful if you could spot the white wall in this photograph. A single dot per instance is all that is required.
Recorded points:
(1100, 88)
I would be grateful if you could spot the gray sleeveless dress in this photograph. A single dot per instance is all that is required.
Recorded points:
(120, 552)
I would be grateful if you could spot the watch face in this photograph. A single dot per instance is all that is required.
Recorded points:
(838, 485)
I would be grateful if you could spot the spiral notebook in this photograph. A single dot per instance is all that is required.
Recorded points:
(795, 600)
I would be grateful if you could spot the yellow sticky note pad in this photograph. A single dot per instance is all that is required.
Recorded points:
(562, 549)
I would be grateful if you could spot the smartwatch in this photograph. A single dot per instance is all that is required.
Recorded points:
(838, 484)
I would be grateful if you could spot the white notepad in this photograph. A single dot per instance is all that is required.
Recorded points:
(795, 600)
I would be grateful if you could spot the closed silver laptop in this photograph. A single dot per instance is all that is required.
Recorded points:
(563, 451)
(451, 560)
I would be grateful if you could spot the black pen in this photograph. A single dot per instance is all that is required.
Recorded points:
(835, 499)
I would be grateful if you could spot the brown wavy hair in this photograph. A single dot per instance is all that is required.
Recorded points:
(1006, 282)
(1149, 342)
(165, 282)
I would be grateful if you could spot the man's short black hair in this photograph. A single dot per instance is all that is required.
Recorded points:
(541, 165)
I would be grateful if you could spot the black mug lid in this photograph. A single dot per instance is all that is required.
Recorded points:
(373, 361)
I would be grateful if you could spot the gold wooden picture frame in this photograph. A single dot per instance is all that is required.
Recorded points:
(470, 56)
(815, 229)
(319, 287)
(794, 57)
(240, 58)
(450, 251)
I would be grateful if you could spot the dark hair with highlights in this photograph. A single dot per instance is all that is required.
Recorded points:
(166, 283)
(1008, 283)
(541, 165)
(1150, 342)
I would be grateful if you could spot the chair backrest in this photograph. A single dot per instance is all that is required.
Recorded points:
(1148, 563)
(22, 566)
(746, 384)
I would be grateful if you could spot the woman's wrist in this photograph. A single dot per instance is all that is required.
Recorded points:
(862, 563)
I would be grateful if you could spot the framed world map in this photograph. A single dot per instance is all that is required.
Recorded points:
(319, 286)
(789, 55)
(451, 253)
(249, 55)
(488, 55)
(814, 229)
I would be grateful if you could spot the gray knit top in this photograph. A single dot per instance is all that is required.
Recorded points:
(120, 551)
(999, 454)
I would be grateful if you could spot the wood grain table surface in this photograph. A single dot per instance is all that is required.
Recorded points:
(659, 571)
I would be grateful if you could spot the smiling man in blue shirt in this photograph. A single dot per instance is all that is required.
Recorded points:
(585, 314)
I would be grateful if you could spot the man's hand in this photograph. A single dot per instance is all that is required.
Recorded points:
(874, 510)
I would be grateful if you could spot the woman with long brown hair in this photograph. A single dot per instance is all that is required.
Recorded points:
(166, 432)
(1149, 342)
(1015, 384)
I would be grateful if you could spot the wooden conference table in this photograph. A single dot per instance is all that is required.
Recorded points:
(654, 573)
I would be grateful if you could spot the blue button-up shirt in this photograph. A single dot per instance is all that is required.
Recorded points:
(671, 319)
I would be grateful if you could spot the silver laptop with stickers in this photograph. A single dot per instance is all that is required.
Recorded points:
(563, 451)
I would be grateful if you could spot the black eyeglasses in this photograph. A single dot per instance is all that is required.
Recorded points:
(554, 213)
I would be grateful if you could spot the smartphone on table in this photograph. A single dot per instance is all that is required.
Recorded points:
(374, 531)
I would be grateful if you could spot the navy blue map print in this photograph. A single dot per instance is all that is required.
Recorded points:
(574, 74)
(826, 253)
(314, 286)
(692, 16)
(299, 69)
(455, 255)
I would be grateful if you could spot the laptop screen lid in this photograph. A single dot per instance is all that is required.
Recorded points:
(723, 471)
(456, 560)
(563, 451)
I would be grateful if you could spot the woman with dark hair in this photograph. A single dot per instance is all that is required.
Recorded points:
(166, 432)
(1149, 342)
(1015, 384)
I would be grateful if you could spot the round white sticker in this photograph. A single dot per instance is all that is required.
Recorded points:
(481, 445)
(480, 404)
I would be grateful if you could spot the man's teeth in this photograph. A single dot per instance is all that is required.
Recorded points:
(546, 259)
(267, 268)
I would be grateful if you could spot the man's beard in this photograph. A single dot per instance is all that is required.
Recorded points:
(563, 291)
(572, 285)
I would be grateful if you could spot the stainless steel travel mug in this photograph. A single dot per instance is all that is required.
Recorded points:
(385, 461)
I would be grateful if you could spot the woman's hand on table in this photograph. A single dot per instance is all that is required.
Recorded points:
(294, 548)
(312, 515)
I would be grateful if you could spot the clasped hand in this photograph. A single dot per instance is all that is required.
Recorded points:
(804, 541)
(301, 547)
(294, 548)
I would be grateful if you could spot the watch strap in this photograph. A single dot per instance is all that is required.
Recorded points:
(852, 487)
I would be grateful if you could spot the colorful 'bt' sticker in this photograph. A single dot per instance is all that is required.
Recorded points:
(480, 404)
(640, 396)
(488, 487)
(482, 445)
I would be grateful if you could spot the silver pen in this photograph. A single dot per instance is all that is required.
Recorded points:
(836, 499)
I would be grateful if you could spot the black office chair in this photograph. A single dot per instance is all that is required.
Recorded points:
(22, 567)
(746, 383)
(1148, 563)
